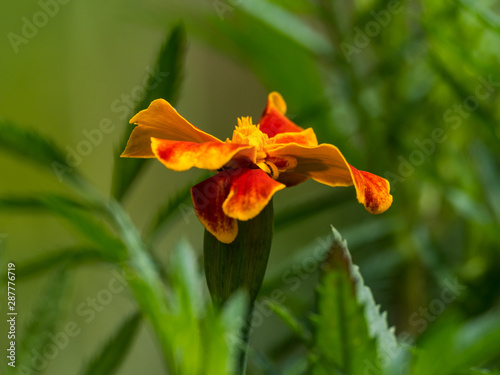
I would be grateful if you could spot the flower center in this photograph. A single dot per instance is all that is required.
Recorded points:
(246, 133)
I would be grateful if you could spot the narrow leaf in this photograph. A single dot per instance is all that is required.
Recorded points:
(35, 148)
(186, 281)
(477, 371)
(166, 83)
(484, 15)
(232, 320)
(453, 345)
(76, 213)
(146, 283)
(113, 354)
(46, 262)
(43, 324)
(487, 170)
(297, 327)
(289, 25)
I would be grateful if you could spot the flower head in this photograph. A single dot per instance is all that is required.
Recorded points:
(250, 167)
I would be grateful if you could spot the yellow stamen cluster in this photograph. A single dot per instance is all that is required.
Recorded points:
(248, 134)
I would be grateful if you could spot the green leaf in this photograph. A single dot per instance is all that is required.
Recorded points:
(201, 339)
(170, 63)
(261, 363)
(70, 255)
(297, 327)
(37, 203)
(186, 306)
(41, 330)
(485, 16)
(76, 214)
(487, 170)
(231, 321)
(298, 367)
(184, 275)
(452, 345)
(461, 91)
(145, 280)
(35, 148)
(289, 25)
(112, 355)
(477, 371)
(351, 335)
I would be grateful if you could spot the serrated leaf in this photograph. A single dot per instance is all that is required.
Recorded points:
(111, 356)
(362, 233)
(351, 335)
(43, 323)
(33, 147)
(170, 65)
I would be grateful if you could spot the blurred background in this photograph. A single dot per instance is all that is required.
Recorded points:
(407, 90)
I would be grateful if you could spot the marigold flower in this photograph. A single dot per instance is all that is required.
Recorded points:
(255, 163)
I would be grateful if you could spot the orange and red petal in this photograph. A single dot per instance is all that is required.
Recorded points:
(208, 197)
(251, 190)
(372, 191)
(161, 120)
(181, 156)
(326, 164)
(305, 137)
(273, 120)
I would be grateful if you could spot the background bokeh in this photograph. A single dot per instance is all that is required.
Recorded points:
(407, 90)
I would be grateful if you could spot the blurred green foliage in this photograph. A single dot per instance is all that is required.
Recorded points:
(406, 89)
